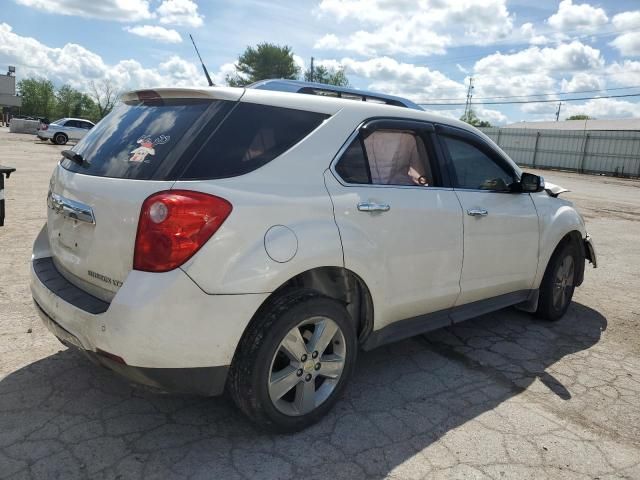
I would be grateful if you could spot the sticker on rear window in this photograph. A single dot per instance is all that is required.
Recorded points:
(147, 147)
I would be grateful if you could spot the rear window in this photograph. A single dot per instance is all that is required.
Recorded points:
(251, 136)
(135, 139)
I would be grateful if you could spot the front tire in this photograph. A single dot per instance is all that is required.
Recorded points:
(558, 283)
(294, 361)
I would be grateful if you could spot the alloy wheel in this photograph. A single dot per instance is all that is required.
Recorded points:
(563, 283)
(307, 366)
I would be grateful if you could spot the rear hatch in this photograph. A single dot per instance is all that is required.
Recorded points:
(94, 202)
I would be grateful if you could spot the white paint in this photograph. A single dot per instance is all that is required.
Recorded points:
(281, 243)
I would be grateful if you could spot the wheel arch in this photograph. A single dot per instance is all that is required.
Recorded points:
(575, 238)
(338, 283)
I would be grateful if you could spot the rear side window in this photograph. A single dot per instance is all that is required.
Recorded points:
(135, 139)
(353, 167)
(251, 136)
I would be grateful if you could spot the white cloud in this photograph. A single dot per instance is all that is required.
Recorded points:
(574, 56)
(628, 44)
(155, 32)
(528, 32)
(533, 70)
(425, 27)
(180, 12)
(386, 74)
(582, 16)
(603, 108)
(626, 20)
(77, 66)
(624, 73)
(582, 81)
(118, 10)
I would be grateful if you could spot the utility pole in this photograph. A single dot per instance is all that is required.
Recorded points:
(311, 70)
(558, 111)
(467, 105)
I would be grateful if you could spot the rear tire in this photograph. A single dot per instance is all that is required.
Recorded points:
(293, 363)
(60, 139)
(558, 283)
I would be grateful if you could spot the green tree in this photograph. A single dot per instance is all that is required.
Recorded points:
(73, 103)
(38, 97)
(266, 60)
(472, 119)
(331, 76)
(579, 117)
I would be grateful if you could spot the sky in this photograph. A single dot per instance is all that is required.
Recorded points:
(425, 50)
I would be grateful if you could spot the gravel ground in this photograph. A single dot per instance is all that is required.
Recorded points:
(502, 396)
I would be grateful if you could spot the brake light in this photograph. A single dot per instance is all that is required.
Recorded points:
(173, 225)
(44, 126)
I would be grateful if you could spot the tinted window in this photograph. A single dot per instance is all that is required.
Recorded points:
(352, 166)
(134, 139)
(250, 137)
(72, 123)
(474, 169)
(397, 158)
(86, 125)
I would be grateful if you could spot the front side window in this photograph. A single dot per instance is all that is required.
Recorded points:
(473, 169)
(387, 157)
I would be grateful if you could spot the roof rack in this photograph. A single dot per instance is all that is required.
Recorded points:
(322, 89)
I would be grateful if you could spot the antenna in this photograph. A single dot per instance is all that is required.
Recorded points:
(206, 73)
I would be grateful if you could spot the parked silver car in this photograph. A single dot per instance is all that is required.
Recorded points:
(63, 130)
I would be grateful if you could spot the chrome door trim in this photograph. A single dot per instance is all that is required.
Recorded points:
(477, 212)
(373, 207)
(70, 208)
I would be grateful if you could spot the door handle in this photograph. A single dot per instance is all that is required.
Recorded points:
(477, 212)
(373, 207)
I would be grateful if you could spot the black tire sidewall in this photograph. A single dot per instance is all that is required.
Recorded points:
(60, 135)
(546, 308)
(311, 307)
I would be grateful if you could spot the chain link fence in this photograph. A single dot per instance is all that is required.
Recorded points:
(614, 153)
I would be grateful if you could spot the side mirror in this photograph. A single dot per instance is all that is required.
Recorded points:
(530, 183)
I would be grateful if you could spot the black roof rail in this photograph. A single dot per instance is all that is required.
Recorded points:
(323, 89)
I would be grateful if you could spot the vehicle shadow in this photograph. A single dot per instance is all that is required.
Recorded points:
(62, 417)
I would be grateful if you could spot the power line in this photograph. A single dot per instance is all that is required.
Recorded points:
(533, 101)
(535, 94)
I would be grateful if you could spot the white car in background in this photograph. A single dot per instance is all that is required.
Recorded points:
(63, 130)
(255, 240)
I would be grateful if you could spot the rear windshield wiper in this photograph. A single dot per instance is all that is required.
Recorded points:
(74, 157)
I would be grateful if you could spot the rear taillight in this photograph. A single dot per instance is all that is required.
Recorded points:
(44, 126)
(174, 225)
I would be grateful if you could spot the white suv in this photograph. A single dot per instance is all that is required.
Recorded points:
(254, 240)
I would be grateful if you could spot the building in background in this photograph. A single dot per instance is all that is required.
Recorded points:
(9, 101)
(614, 125)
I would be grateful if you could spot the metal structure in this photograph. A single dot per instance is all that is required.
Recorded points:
(3, 171)
(605, 152)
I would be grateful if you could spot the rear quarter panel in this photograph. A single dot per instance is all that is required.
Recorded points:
(288, 191)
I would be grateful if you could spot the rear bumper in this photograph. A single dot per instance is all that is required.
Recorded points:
(43, 135)
(168, 332)
(207, 381)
